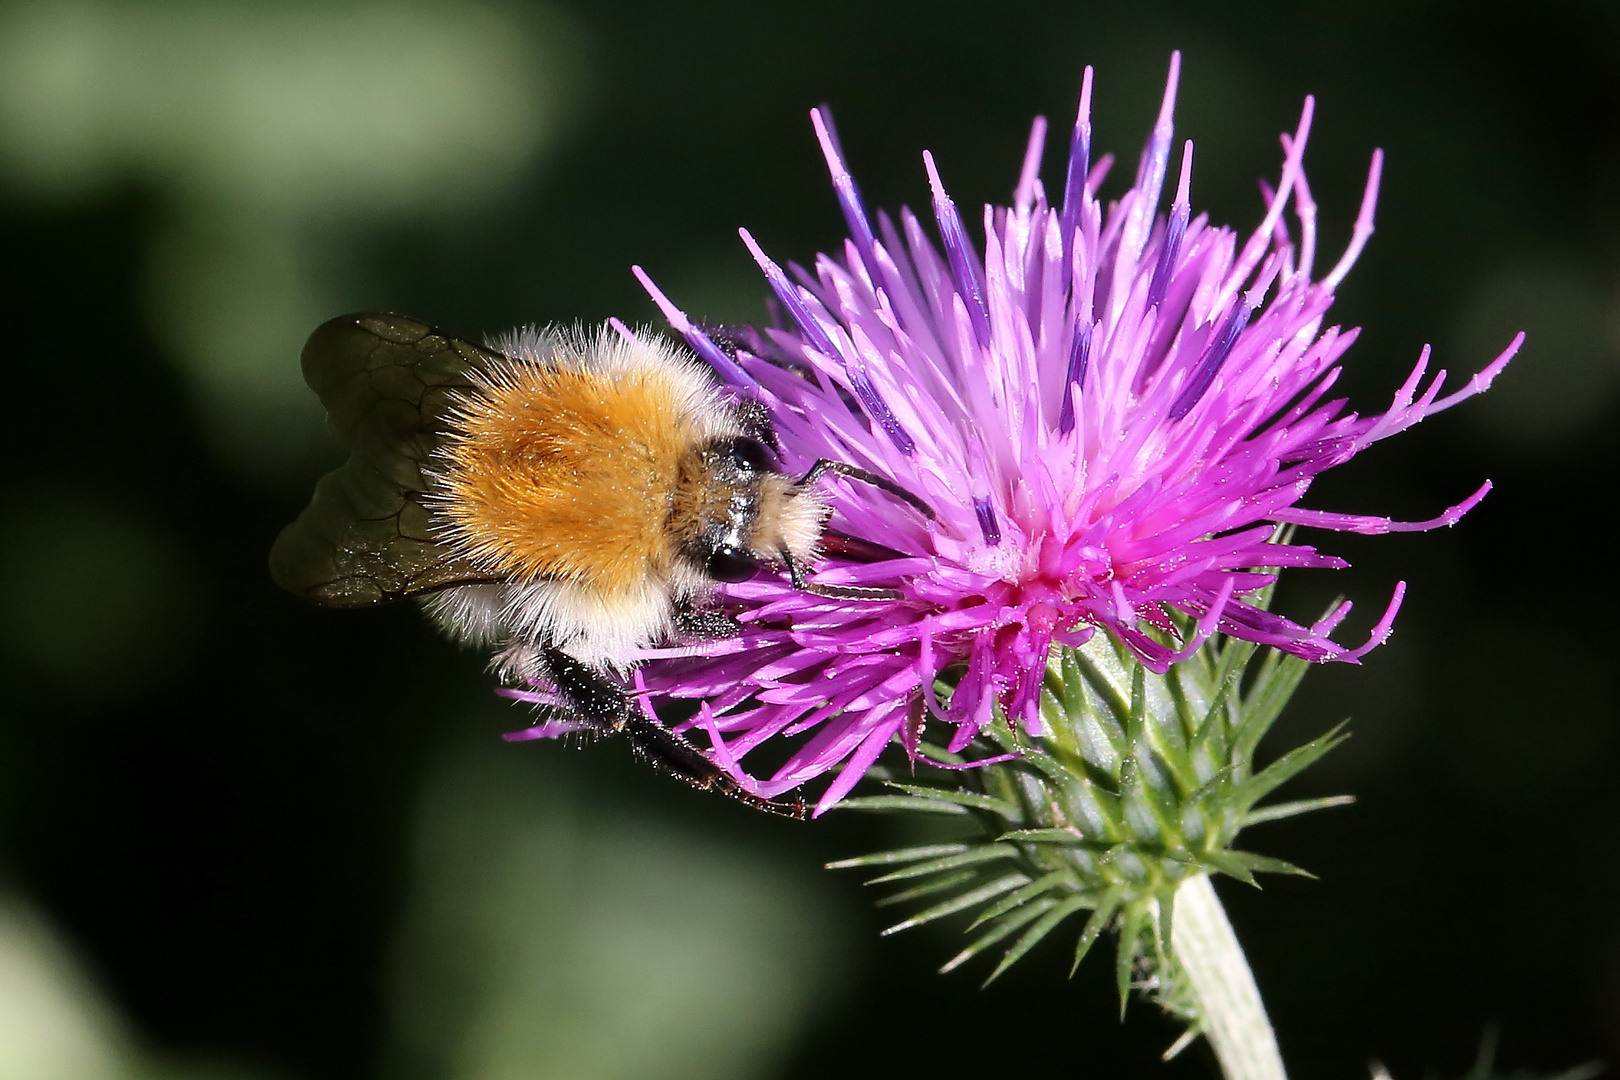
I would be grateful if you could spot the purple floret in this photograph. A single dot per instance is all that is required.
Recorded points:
(1111, 411)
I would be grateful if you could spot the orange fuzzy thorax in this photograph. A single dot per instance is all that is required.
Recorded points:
(566, 473)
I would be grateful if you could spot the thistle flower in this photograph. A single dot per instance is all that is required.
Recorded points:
(1114, 412)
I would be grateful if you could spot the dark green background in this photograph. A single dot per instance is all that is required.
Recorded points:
(228, 842)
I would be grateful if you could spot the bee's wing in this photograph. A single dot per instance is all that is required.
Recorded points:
(387, 382)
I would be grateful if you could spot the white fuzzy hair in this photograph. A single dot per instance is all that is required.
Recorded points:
(531, 616)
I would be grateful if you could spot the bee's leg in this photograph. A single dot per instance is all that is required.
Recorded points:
(883, 483)
(600, 702)
(661, 747)
(756, 422)
(606, 707)
(704, 624)
(835, 592)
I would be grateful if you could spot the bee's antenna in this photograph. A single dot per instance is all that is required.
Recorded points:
(883, 482)
(833, 592)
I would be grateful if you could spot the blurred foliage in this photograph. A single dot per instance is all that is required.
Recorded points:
(53, 1025)
(259, 129)
(91, 587)
(257, 821)
(549, 937)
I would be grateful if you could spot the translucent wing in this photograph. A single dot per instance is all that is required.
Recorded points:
(386, 382)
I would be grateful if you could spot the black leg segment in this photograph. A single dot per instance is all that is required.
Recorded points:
(882, 482)
(605, 706)
(704, 624)
(756, 422)
(663, 749)
(833, 592)
(600, 702)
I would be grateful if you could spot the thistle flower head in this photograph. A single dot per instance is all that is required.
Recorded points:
(1111, 409)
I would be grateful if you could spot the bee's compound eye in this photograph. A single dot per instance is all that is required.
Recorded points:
(750, 454)
(731, 565)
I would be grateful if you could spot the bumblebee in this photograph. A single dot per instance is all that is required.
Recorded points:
(565, 499)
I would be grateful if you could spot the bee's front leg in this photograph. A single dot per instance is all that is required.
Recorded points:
(704, 624)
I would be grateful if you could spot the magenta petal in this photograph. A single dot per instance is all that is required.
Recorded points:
(552, 729)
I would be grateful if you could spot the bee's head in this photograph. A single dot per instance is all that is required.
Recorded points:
(735, 510)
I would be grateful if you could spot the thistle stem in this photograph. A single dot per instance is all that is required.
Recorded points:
(1233, 1018)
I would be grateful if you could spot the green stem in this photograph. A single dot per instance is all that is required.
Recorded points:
(1229, 1005)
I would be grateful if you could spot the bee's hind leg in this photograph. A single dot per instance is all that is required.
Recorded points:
(599, 702)
(605, 706)
(664, 749)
